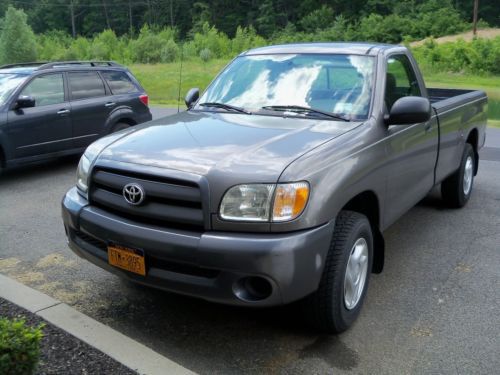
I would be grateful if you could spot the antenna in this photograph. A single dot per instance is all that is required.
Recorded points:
(180, 80)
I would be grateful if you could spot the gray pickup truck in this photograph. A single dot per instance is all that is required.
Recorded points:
(277, 183)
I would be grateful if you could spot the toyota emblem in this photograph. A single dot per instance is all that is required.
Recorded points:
(133, 194)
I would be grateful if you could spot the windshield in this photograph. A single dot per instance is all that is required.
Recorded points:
(8, 83)
(338, 84)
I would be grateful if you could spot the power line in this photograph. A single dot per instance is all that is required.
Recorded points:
(111, 4)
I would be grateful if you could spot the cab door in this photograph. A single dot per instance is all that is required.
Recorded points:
(412, 149)
(46, 127)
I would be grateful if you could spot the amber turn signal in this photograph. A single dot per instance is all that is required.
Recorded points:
(290, 200)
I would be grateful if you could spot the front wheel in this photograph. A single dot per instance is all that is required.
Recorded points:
(119, 126)
(457, 188)
(336, 304)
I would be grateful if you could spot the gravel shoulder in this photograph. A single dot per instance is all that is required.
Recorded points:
(62, 353)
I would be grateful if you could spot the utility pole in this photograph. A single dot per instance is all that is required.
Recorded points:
(72, 14)
(474, 17)
(130, 14)
(171, 13)
(106, 13)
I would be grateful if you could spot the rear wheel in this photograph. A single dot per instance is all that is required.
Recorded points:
(457, 188)
(119, 126)
(336, 304)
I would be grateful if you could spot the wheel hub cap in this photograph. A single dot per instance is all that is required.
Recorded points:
(355, 274)
(468, 173)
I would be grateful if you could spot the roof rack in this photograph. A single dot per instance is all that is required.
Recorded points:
(23, 65)
(61, 64)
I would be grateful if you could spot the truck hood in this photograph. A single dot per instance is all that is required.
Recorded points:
(201, 142)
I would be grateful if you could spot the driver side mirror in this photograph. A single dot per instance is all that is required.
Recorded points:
(191, 97)
(409, 110)
(25, 101)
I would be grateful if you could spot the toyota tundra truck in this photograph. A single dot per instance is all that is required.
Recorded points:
(277, 183)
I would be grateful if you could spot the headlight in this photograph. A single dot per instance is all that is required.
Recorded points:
(247, 202)
(254, 202)
(82, 174)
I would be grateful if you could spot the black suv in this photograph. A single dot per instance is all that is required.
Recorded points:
(59, 108)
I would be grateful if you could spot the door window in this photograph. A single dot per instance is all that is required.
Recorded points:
(46, 90)
(119, 82)
(401, 80)
(85, 85)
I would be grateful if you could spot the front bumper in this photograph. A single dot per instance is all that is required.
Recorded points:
(209, 265)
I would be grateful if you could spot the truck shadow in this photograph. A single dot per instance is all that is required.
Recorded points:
(39, 170)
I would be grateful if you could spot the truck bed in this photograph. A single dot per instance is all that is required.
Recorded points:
(438, 94)
(444, 100)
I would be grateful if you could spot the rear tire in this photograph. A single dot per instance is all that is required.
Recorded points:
(336, 304)
(457, 188)
(119, 126)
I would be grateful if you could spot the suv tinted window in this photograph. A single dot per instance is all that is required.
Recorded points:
(401, 80)
(86, 85)
(119, 82)
(46, 90)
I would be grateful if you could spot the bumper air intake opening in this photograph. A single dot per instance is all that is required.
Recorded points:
(252, 288)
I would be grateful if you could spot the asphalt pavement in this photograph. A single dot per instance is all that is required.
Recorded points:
(434, 309)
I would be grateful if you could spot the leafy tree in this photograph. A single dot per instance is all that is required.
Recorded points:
(17, 40)
(321, 18)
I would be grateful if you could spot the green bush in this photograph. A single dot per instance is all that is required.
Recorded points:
(19, 347)
(480, 56)
(205, 55)
(153, 47)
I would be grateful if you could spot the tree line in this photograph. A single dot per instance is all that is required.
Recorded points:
(163, 44)
(89, 17)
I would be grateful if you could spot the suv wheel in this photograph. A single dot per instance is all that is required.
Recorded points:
(119, 126)
(457, 188)
(336, 304)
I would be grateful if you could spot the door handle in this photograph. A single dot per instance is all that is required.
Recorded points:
(63, 112)
(110, 104)
(428, 126)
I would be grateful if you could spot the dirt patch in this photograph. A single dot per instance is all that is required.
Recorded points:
(467, 36)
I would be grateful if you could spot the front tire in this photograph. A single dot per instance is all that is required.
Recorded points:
(119, 126)
(457, 188)
(336, 304)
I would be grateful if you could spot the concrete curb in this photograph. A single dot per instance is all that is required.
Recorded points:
(121, 348)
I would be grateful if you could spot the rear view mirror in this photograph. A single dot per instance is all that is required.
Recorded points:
(25, 101)
(191, 97)
(409, 110)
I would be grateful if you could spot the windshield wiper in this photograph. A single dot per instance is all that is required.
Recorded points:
(301, 109)
(225, 106)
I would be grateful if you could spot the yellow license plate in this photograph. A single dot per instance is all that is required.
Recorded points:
(127, 259)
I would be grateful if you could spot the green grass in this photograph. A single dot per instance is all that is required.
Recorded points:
(161, 82)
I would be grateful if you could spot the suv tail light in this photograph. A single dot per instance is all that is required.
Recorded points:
(144, 99)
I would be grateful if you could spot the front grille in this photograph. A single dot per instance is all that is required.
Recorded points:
(168, 202)
(152, 261)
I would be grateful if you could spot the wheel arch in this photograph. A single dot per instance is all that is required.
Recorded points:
(473, 140)
(367, 203)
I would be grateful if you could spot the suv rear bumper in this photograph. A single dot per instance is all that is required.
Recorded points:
(211, 265)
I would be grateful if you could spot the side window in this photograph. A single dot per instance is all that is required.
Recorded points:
(46, 90)
(83, 85)
(401, 80)
(119, 82)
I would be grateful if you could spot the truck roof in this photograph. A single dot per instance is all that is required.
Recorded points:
(371, 49)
